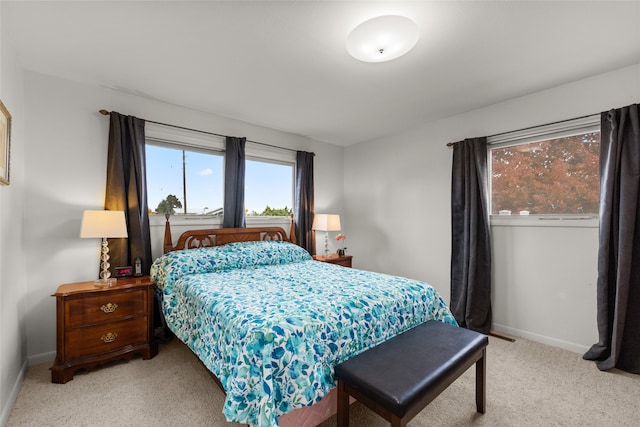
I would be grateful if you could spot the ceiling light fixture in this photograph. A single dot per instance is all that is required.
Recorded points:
(383, 38)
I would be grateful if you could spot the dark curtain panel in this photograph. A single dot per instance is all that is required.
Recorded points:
(234, 166)
(304, 203)
(470, 236)
(127, 190)
(619, 249)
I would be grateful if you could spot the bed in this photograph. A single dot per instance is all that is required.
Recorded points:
(270, 323)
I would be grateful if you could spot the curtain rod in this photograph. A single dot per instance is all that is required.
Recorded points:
(451, 144)
(106, 113)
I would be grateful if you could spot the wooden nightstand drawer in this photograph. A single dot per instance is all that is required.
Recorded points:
(344, 260)
(103, 308)
(96, 325)
(105, 338)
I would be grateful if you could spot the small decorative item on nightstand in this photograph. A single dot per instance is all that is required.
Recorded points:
(137, 268)
(341, 251)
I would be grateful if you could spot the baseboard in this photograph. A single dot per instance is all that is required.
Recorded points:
(42, 357)
(576, 348)
(6, 411)
(502, 335)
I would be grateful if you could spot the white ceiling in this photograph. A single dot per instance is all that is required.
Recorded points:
(283, 64)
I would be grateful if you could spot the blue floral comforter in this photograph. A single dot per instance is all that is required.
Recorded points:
(271, 323)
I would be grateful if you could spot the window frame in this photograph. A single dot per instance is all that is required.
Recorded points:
(281, 162)
(181, 138)
(587, 124)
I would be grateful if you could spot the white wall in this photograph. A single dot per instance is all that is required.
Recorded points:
(13, 341)
(397, 202)
(396, 209)
(66, 172)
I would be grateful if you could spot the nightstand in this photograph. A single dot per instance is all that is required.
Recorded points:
(344, 260)
(96, 325)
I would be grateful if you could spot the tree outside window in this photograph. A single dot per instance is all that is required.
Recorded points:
(555, 176)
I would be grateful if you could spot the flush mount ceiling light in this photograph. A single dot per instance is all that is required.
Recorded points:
(383, 38)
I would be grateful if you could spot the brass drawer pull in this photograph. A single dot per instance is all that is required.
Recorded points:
(110, 337)
(109, 308)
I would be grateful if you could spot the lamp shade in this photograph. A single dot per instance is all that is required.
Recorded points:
(110, 224)
(326, 222)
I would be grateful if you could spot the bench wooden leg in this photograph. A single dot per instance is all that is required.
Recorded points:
(343, 405)
(481, 384)
(396, 421)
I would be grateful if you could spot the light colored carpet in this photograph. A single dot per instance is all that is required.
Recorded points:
(529, 384)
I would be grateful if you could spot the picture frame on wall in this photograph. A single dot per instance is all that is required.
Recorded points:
(5, 144)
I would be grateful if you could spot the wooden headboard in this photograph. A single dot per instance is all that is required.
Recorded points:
(192, 239)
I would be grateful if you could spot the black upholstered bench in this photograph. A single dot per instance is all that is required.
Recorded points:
(399, 377)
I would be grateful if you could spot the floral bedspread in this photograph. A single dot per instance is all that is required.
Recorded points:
(271, 323)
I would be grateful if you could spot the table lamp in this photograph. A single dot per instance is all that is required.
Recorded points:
(326, 223)
(104, 225)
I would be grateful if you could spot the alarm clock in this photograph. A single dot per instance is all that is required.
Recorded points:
(123, 271)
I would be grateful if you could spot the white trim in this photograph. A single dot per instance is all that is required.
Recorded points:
(190, 140)
(172, 136)
(543, 339)
(216, 221)
(181, 220)
(42, 357)
(544, 132)
(13, 395)
(260, 152)
(556, 130)
(580, 221)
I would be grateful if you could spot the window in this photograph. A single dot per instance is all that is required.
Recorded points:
(554, 172)
(184, 181)
(185, 174)
(268, 188)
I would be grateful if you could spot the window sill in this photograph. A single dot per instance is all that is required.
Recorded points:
(584, 221)
(216, 221)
